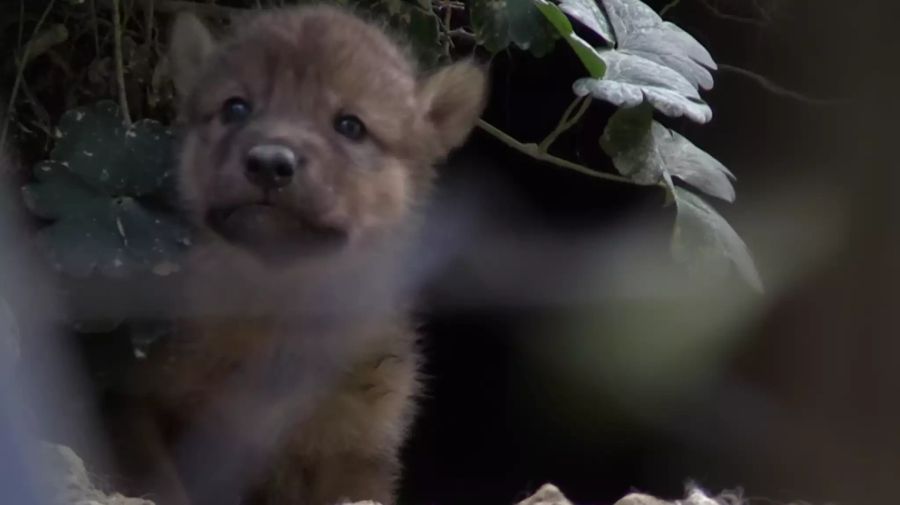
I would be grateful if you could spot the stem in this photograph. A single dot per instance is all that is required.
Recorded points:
(19, 73)
(533, 150)
(671, 5)
(120, 68)
(566, 121)
(777, 89)
(21, 24)
(148, 24)
(95, 26)
(448, 16)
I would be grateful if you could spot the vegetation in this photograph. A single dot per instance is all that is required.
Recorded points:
(90, 99)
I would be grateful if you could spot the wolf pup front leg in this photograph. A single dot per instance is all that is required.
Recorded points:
(308, 144)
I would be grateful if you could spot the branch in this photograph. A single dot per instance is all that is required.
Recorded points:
(567, 121)
(777, 89)
(731, 17)
(120, 67)
(95, 28)
(671, 5)
(448, 17)
(149, 7)
(461, 34)
(533, 150)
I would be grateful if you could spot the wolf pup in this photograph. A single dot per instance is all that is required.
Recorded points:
(309, 139)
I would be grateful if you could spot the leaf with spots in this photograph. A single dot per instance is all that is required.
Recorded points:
(104, 191)
(95, 145)
(499, 23)
(58, 193)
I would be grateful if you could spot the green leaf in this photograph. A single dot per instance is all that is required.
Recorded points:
(589, 14)
(103, 191)
(96, 146)
(653, 60)
(641, 32)
(153, 239)
(59, 192)
(499, 23)
(86, 243)
(648, 152)
(115, 238)
(706, 242)
(589, 56)
(632, 79)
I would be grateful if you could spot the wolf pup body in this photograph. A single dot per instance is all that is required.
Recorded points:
(308, 143)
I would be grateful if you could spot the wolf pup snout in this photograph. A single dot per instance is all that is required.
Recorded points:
(272, 166)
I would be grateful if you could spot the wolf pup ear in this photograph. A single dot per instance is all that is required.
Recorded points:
(453, 98)
(190, 45)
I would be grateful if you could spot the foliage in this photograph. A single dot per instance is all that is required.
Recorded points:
(104, 187)
(653, 63)
(99, 188)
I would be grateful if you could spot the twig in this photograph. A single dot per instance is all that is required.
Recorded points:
(19, 73)
(460, 33)
(148, 24)
(669, 6)
(567, 121)
(777, 89)
(120, 67)
(533, 150)
(21, 24)
(731, 17)
(96, 28)
(43, 121)
(448, 16)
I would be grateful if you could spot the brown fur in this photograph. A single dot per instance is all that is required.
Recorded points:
(293, 377)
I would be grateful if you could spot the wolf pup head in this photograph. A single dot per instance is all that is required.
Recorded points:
(308, 129)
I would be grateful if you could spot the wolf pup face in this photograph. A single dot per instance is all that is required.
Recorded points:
(308, 127)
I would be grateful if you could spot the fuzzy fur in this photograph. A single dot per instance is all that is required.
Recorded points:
(292, 378)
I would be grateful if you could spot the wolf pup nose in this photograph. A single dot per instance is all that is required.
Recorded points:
(307, 147)
(272, 166)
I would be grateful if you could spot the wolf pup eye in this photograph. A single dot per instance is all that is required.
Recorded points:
(235, 110)
(350, 126)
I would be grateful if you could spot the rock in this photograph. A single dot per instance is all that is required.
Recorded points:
(68, 483)
(548, 494)
(641, 499)
(694, 497)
